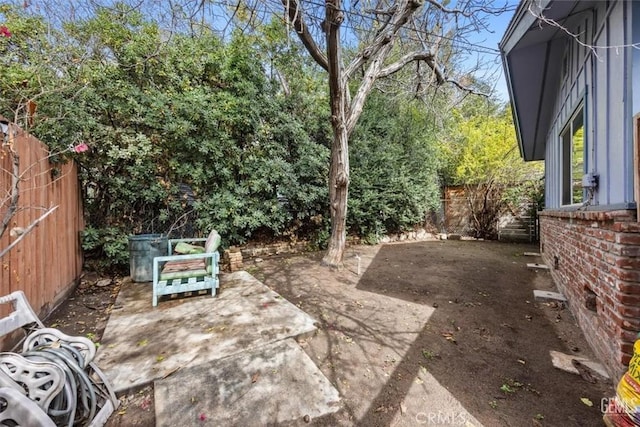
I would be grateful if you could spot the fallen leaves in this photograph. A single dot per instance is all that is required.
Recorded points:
(586, 401)
(347, 339)
(428, 354)
(403, 408)
(449, 337)
(146, 403)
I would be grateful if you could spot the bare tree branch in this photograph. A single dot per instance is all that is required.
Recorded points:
(410, 57)
(576, 37)
(464, 88)
(295, 16)
(444, 9)
(27, 230)
(403, 10)
(371, 74)
(283, 83)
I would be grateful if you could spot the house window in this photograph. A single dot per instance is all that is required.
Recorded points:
(573, 148)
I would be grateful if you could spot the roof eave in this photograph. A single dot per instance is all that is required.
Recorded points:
(529, 85)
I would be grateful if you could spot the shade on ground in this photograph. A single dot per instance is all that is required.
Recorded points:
(141, 343)
(266, 386)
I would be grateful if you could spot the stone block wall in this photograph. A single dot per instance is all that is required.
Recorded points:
(233, 258)
(594, 258)
(277, 248)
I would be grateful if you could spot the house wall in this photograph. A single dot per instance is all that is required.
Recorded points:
(594, 249)
(595, 261)
(601, 80)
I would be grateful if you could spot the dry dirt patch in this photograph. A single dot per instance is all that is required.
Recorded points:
(461, 312)
(487, 341)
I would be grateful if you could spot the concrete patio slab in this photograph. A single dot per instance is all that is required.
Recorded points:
(142, 344)
(268, 385)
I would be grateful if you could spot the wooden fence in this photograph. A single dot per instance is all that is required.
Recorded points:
(518, 224)
(46, 263)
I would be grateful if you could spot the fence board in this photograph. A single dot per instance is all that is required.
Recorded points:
(516, 224)
(48, 261)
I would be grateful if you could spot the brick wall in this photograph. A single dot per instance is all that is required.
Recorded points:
(595, 262)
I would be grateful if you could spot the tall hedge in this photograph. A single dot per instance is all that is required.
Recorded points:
(192, 133)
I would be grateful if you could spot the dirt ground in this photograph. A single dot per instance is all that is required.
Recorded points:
(487, 341)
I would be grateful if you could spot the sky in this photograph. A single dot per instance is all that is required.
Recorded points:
(485, 43)
(490, 40)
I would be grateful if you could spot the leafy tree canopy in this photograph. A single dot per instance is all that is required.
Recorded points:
(190, 131)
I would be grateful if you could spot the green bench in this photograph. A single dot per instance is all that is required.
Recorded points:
(188, 267)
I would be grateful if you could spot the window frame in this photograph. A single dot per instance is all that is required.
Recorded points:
(568, 185)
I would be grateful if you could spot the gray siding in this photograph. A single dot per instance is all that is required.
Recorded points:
(601, 80)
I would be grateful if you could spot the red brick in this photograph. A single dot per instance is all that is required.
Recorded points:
(625, 334)
(624, 250)
(626, 323)
(609, 236)
(604, 290)
(629, 262)
(631, 227)
(610, 259)
(631, 300)
(629, 311)
(625, 274)
(625, 262)
(607, 279)
(623, 215)
(626, 347)
(619, 226)
(628, 238)
(608, 300)
(624, 358)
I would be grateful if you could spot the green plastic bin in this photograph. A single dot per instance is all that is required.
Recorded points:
(143, 248)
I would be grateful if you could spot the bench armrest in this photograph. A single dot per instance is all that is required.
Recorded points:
(171, 242)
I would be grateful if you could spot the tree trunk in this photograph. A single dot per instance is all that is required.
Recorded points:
(339, 171)
(338, 195)
(344, 110)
